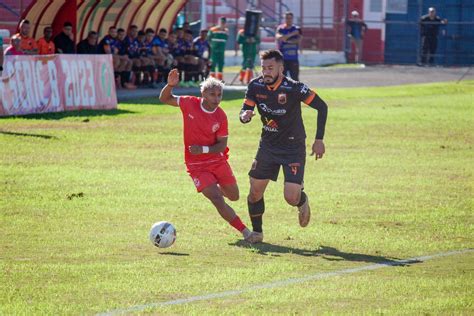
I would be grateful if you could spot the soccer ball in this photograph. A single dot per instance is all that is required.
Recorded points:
(162, 234)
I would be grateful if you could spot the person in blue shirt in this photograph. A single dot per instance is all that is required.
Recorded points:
(356, 31)
(111, 44)
(165, 60)
(289, 36)
(144, 50)
(202, 50)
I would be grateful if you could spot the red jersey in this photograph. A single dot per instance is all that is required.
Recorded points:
(202, 127)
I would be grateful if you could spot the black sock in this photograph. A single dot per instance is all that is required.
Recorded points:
(187, 72)
(302, 198)
(125, 77)
(256, 211)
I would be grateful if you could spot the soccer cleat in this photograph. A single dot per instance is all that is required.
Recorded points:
(254, 238)
(304, 214)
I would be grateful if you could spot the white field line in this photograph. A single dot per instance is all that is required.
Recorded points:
(281, 283)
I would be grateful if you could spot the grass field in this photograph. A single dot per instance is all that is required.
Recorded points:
(79, 192)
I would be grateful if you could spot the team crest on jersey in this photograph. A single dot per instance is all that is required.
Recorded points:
(282, 98)
(215, 127)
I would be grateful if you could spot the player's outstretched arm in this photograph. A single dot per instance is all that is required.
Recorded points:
(165, 95)
(218, 147)
(318, 149)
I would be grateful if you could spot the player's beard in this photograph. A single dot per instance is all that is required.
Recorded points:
(270, 83)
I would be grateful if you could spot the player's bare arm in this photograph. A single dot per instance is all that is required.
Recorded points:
(218, 147)
(166, 96)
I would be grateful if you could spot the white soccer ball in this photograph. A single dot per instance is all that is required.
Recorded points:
(162, 234)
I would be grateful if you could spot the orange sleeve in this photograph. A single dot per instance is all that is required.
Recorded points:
(249, 102)
(310, 97)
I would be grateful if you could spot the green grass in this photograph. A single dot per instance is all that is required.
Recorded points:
(396, 182)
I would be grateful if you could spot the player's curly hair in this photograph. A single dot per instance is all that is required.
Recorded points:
(210, 83)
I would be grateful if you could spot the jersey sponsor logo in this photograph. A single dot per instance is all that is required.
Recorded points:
(215, 127)
(262, 96)
(190, 116)
(304, 89)
(270, 125)
(282, 98)
(266, 109)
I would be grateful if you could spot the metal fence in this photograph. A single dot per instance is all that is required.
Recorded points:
(393, 34)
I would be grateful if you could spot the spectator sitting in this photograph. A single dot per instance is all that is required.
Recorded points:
(125, 61)
(191, 61)
(1, 55)
(88, 45)
(131, 46)
(14, 48)
(28, 44)
(155, 60)
(109, 45)
(178, 50)
(64, 41)
(166, 60)
(202, 51)
(147, 64)
(46, 44)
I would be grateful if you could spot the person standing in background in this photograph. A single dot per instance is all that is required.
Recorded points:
(217, 37)
(356, 29)
(248, 45)
(288, 38)
(429, 28)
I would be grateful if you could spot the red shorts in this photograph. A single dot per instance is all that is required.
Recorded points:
(204, 175)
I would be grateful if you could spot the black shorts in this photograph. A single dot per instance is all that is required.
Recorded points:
(268, 161)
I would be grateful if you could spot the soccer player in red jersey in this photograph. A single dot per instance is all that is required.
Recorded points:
(205, 146)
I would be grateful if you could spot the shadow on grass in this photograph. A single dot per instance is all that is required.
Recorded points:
(28, 135)
(178, 254)
(80, 113)
(327, 253)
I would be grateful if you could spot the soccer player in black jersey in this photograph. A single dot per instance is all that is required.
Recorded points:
(278, 101)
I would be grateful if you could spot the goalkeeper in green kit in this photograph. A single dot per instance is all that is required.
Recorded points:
(248, 45)
(217, 37)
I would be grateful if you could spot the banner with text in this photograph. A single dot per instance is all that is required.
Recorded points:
(56, 83)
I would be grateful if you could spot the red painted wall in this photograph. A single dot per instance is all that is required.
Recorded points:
(67, 13)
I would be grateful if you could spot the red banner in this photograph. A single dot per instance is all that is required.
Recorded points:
(56, 83)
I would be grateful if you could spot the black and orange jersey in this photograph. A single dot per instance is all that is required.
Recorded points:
(279, 107)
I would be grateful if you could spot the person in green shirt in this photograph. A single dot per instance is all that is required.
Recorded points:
(217, 37)
(248, 45)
